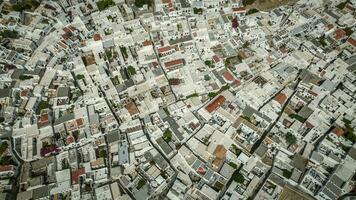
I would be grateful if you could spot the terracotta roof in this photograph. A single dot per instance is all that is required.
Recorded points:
(338, 131)
(227, 76)
(164, 49)
(287, 123)
(24, 93)
(70, 139)
(239, 9)
(166, 1)
(280, 98)
(66, 29)
(201, 170)
(236, 83)
(174, 81)
(220, 151)
(79, 122)
(97, 37)
(349, 6)
(215, 104)
(313, 93)
(155, 64)
(76, 174)
(330, 26)
(339, 34)
(216, 59)
(352, 41)
(308, 125)
(146, 43)
(44, 118)
(173, 63)
(4, 168)
(131, 108)
(284, 49)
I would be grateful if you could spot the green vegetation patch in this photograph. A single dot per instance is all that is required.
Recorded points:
(297, 117)
(198, 11)
(124, 52)
(349, 131)
(342, 5)
(131, 70)
(42, 105)
(25, 77)
(25, 5)
(9, 34)
(79, 76)
(322, 40)
(238, 177)
(252, 11)
(103, 4)
(290, 138)
(141, 3)
(167, 135)
(248, 2)
(287, 174)
(140, 184)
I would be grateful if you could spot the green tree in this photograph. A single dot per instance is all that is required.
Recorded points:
(247, 2)
(140, 3)
(9, 34)
(140, 184)
(167, 135)
(238, 177)
(103, 4)
(198, 11)
(252, 11)
(131, 70)
(290, 138)
(79, 76)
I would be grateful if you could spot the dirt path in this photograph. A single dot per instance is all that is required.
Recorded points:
(267, 5)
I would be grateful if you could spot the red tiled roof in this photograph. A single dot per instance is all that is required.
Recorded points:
(173, 63)
(352, 41)
(236, 83)
(66, 29)
(164, 49)
(174, 81)
(24, 93)
(79, 122)
(338, 131)
(280, 98)
(339, 34)
(76, 174)
(287, 123)
(4, 168)
(132, 108)
(215, 104)
(97, 37)
(201, 170)
(330, 26)
(312, 93)
(216, 58)
(70, 139)
(44, 118)
(239, 9)
(166, 1)
(155, 64)
(308, 125)
(227, 76)
(349, 6)
(146, 43)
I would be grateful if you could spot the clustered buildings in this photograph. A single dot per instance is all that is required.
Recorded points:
(182, 99)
